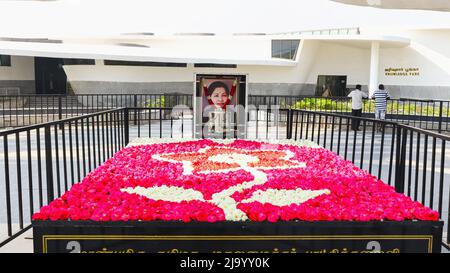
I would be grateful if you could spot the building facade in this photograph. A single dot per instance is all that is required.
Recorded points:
(411, 63)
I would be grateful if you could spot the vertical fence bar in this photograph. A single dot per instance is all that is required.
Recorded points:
(441, 108)
(110, 123)
(318, 132)
(30, 173)
(424, 174)
(60, 112)
(137, 112)
(160, 123)
(339, 135)
(400, 161)
(150, 123)
(267, 122)
(301, 125)
(7, 185)
(63, 137)
(380, 161)
(49, 164)
(363, 143)
(346, 140)
(325, 132)
(354, 144)
(391, 158)
(127, 126)
(114, 122)
(288, 124)
(433, 169)
(88, 145)
(332, 133)
(83, 148)
(94, 160)
(103, 138)
(416, 183)
(411, 135)
(19, 180)
(72, 169)
(441, 178)
(38, 147)
(372, 145)
(58, 179)
(77, 151)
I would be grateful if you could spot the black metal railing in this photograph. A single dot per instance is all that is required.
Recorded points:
(425, 114)
(23, 110)
(260, 123)
(26, 110)
(41, 162)
(414, 161)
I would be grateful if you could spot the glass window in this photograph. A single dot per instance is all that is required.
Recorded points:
(131, 63)
(79, 62)
(5, 60)
(216, 65)
(276, 48)
(285, 49)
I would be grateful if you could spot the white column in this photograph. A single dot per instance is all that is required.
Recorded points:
(374, 67)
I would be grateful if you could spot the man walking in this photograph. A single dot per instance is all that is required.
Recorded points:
(357, 96)
(381, 96)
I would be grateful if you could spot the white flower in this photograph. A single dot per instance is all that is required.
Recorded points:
(284, 197)
(164, 193)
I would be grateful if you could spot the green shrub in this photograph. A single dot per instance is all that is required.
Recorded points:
(393, 107)
(156, 103)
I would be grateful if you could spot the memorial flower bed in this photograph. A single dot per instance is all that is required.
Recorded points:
(237, 180)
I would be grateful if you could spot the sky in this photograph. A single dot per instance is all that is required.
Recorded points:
(94, 17)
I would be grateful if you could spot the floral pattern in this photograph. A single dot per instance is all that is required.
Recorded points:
(237, 180)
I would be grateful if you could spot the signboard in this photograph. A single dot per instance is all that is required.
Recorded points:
(400, 71)
(235, 237)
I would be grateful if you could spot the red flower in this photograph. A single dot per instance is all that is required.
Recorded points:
(353, 194)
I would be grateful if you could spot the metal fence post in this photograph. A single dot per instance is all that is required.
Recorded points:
(60, 107)
(400, 163)
(49, 163)
(135, 105)
(60, 110)
(441, 107)
(289, 124)
(127, 126)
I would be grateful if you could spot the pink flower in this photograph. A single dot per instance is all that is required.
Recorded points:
(354, 194)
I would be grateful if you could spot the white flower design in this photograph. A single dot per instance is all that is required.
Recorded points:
(223, 199)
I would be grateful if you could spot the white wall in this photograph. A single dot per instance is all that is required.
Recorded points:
(429, 51)
(257, 74)
(21, 69)
(336, 59)
(108, 73)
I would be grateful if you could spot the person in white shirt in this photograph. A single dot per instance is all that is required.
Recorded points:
(357, 100)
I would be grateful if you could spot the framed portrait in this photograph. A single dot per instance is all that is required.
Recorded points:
(218, 99)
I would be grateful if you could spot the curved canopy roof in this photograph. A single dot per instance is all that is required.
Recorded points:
(436, 5)
(243, 50)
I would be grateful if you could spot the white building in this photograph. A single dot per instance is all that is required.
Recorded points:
(413, 63)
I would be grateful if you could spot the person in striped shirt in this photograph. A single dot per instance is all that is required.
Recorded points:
(381, 96)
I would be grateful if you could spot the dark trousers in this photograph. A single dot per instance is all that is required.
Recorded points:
(355, 122)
